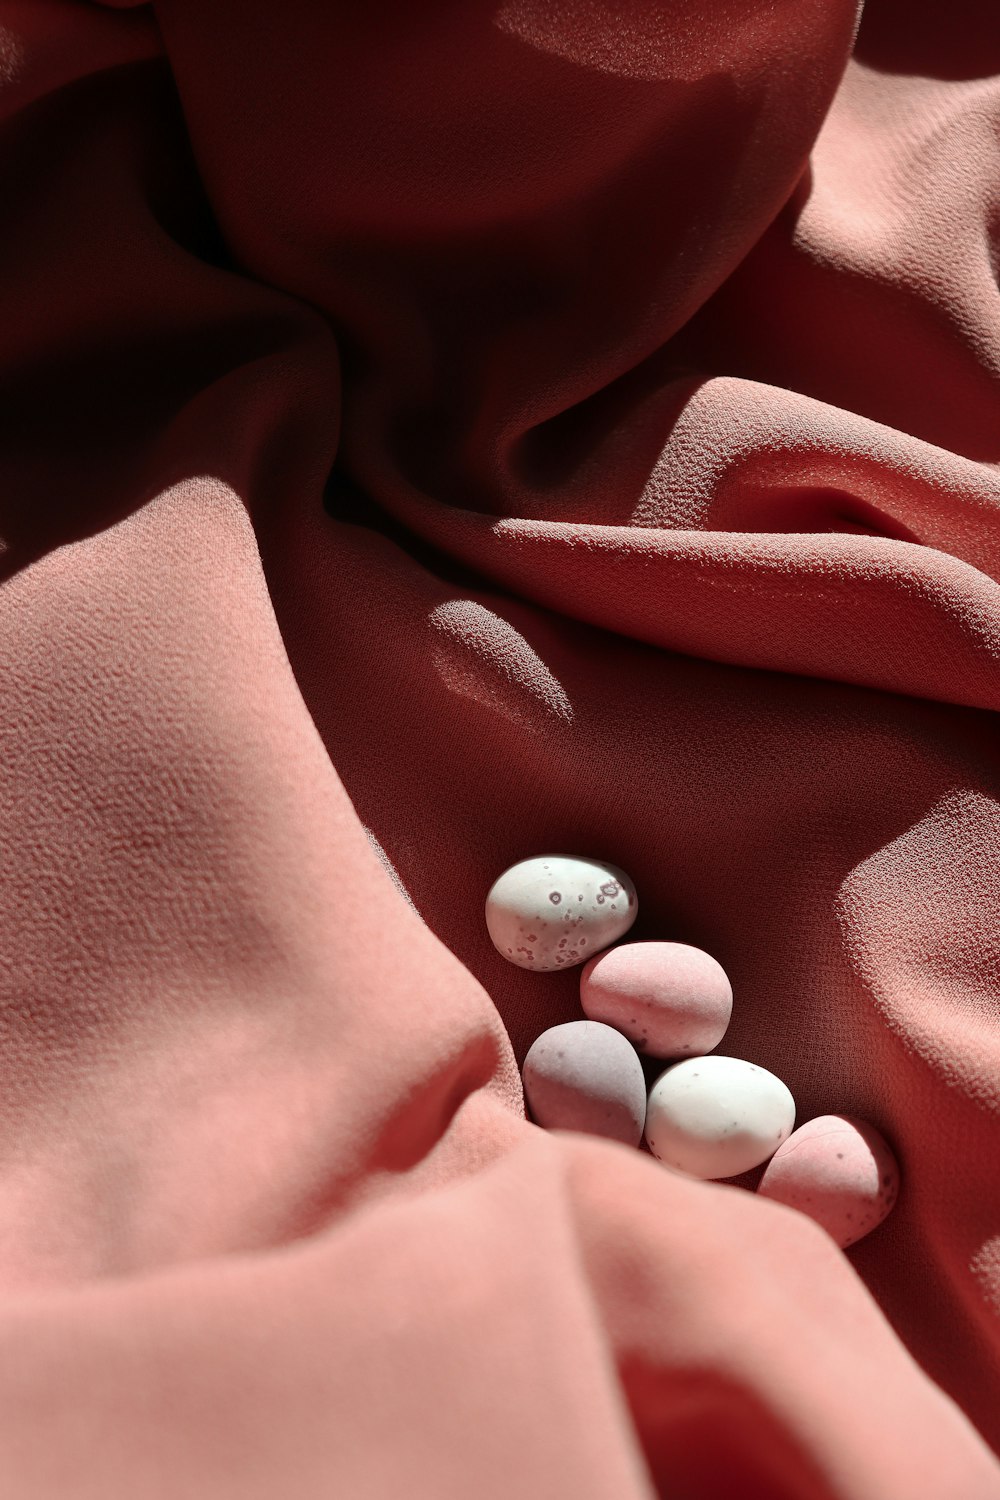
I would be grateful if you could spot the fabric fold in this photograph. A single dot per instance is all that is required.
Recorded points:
(432, 436)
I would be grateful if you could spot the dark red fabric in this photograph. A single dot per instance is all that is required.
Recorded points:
(434, 434)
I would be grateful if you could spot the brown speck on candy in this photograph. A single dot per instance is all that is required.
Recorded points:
(555, 897)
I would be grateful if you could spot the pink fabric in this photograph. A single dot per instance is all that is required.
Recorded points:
(434, 434)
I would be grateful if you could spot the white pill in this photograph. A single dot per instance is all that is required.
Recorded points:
(717, 1116)
(558, 910)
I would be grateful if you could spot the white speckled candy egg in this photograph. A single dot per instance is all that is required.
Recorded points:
(717, 1116)
(557, 910)
(669, 999)
(585, 1076)
(838, 1170)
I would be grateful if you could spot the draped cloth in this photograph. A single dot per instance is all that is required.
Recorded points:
(435, 434)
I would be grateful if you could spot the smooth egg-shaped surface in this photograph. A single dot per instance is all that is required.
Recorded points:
(717, 1116)
(585, 1076)
(669, 999)
(556, 910)
(840, 1171)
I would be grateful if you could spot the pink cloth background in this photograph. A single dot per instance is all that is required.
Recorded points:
(433, 434)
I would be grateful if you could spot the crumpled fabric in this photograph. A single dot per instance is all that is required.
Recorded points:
(434, 435)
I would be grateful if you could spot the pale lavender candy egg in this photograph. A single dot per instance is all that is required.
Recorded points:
(717, 1116)
(557, 910)
(669, 999)
(838, 1170)
(585, 1076)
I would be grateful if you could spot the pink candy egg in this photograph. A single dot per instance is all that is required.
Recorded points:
(669, 999)
(838, 1170)
(584, 1076)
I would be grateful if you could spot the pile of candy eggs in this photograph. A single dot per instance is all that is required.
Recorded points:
(708, 1115)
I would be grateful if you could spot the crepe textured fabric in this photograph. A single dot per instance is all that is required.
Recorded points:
(434, 434)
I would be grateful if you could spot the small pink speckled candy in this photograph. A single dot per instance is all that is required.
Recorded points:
(838, 1170)
(585, 1076)
(669, 999)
